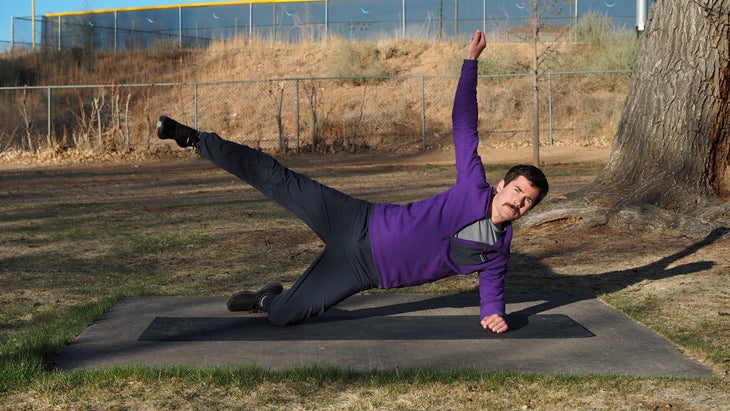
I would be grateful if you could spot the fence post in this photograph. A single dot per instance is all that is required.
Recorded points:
(403, 19)
(423, 112)
(116, 22)
(296, 108)
(550, 105)
(195, 105)
(48, 122)
(179, 27)
(326, 24)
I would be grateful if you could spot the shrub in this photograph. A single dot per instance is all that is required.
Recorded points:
(357, 62)
(603, 47)
(594, 28)
(14, 72)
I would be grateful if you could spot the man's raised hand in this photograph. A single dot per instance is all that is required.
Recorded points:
(476, 46)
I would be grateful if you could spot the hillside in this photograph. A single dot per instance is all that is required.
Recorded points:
(382, 115)
(226, 61)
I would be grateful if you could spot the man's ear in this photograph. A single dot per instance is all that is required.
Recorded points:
(500, 185)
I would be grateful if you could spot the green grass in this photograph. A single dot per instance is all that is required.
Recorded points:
(166, 243)
(22, 358)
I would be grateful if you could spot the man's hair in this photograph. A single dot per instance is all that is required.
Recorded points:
(534, 175)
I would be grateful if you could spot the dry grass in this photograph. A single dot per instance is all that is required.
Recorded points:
(350, 115)
(78, 237)
(507, 392)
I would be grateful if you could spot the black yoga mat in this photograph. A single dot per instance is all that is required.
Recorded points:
(334, 327)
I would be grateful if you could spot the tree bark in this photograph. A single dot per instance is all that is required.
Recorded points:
(672, 145)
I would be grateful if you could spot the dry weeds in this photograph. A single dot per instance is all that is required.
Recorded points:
(375, 115)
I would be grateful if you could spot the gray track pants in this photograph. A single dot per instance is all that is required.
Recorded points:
(344, 267)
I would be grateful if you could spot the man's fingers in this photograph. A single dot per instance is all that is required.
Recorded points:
(494, 323)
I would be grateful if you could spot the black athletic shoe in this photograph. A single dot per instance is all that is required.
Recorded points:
(251, 301)
(169, 129)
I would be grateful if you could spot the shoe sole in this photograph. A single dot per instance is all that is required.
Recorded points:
(163, 128)
(247, 300)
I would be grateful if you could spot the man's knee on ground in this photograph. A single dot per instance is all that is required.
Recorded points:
(282, 317)
(275, 320)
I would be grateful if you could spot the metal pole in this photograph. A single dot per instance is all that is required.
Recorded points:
(116, 18)
(441, 20)
(32, 23)
(195, 106)
(60, 23)
(326, 27)
(550, 105)
(484, 16)
(12, 32)
(179, 27)
(403, 19)
(48, 122)
(296, 105)
(640, 15)
(423, 112)
(456, 18)
(575, 22)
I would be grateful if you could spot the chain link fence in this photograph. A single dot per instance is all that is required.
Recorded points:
(200, 24)
(393, 114)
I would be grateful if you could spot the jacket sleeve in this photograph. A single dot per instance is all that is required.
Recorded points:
(492, 278)
(491, 290)
(465, 117)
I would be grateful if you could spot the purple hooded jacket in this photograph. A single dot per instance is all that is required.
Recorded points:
(414, 244)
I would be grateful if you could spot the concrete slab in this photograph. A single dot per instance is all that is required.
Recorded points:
(549, 334)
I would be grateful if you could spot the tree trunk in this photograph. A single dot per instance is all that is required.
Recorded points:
(535, 92)
(672, 145)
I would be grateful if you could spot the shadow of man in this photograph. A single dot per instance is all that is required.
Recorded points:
(613, 281)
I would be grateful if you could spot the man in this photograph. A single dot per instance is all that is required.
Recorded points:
(463, 230)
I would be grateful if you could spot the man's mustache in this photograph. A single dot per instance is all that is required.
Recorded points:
(513, 207)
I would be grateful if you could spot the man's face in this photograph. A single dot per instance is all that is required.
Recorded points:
(513, 200)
